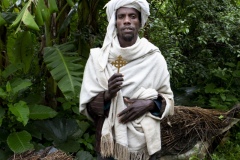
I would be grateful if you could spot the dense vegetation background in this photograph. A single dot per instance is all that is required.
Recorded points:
(44, 45)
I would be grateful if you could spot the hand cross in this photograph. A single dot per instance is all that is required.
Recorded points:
(119, 63)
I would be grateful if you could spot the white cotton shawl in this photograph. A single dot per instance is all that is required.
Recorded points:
(145, 75)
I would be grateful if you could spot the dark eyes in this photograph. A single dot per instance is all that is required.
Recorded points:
(133, 16)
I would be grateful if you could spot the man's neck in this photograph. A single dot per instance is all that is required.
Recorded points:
(125, 44)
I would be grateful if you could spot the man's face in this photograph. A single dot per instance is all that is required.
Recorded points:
(128, 24)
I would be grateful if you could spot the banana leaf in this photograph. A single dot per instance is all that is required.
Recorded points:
(65, 67)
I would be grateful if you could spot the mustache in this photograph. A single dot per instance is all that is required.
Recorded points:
(130, 28)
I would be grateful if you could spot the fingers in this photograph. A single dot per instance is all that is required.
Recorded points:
(127, 115)
(114, 76)
(124, 115)
(124, 112)
(136, 108)
(114, 84)
(127, 100)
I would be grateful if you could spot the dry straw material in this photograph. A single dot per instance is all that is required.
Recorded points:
(190, 125)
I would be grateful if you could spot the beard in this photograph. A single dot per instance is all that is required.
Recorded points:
(128, 37)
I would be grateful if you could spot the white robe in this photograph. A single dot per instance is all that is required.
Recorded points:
(145, 75)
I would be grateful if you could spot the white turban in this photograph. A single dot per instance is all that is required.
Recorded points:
(111, 7)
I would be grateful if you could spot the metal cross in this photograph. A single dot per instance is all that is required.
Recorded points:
(119, 63)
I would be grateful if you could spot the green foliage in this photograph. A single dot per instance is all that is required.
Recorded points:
(41, 112)
(26, 18)
(41, 68)
(230, 150)
(65, 68)
(62, 132)
(20, 141)
(83, 155)
(200, 41)
(201, 45)
(21, 111)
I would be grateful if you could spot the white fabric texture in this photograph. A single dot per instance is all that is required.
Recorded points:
(145, 75)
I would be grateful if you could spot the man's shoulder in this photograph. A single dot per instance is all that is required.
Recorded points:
(95, 50)
(146, 41)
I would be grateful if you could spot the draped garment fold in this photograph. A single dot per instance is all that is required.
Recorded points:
(145, 76)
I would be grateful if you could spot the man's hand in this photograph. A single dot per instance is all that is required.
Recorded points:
(114, 85)
(136, 108)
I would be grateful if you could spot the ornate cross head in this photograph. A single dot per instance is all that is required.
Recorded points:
(119, 62)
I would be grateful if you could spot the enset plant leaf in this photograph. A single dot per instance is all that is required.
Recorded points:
(65, 68)
(29, 21)
(2, 21)
(25, 17)
(53, 6)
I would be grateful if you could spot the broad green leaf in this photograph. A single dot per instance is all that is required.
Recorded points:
(20, 84)
(8, 87)
(53, 6)
(2, 113)
(20, 15)
(67, 20)
(13, 57)
(25, 17)
(21, 49)
(2, 21)
(11, 69)
(76, 110)
(44, 10)
(38, 15)
(70, 3)
(65, 68)
(83, 126)
(83, 155)
(21, 111)
(41, 112)
(69, 146)
(29, 21)
(66, 106)
(57, 129)
(9, 17)
(19, 142)
(5, 4)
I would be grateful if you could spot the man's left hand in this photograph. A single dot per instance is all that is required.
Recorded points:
(136, 108)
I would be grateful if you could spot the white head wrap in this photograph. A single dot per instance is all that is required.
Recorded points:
(111, 8)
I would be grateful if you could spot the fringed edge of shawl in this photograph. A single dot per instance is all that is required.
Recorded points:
(123, 153)
(107, 145)
(140, 155)
(109, 149)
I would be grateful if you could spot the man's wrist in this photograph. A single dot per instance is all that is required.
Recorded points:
(106, 96)
(152, 105)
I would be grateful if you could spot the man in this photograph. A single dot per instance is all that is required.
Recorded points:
(126, 107)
